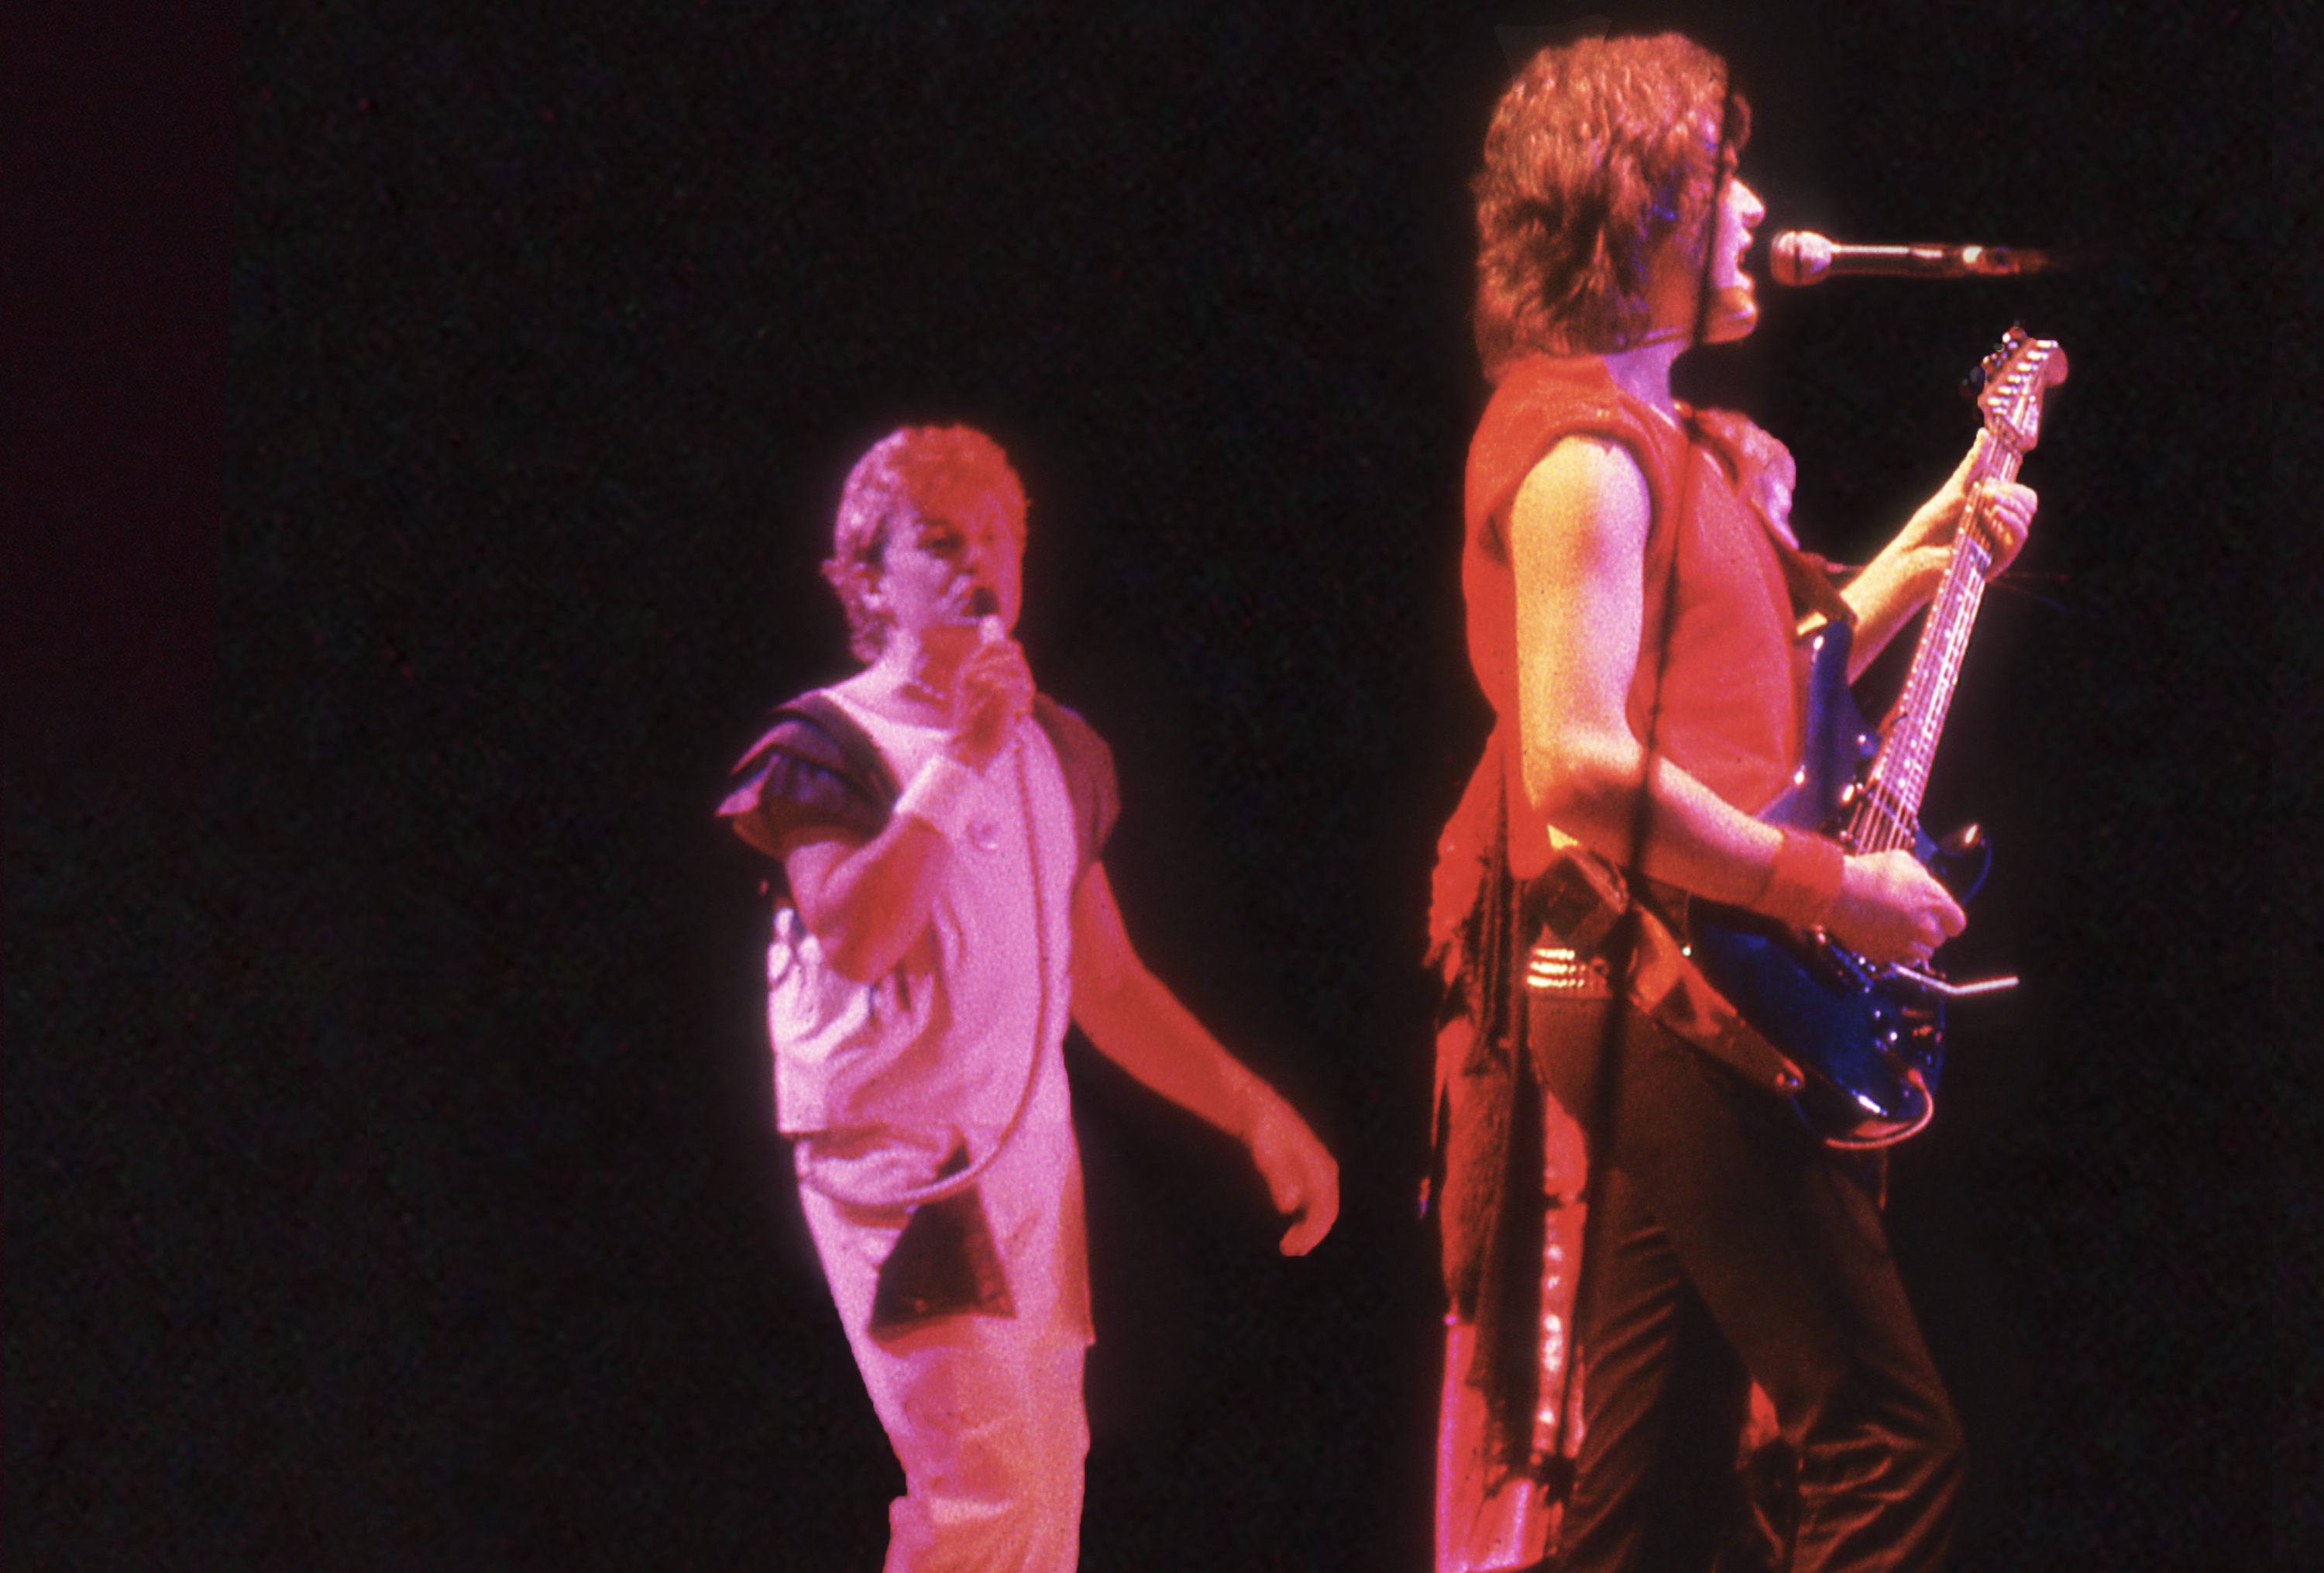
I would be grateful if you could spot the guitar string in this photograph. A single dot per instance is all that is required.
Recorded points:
(1887, 819)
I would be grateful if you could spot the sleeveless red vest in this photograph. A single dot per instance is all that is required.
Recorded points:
(1732, 685)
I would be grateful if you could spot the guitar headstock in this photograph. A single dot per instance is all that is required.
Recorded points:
(2013, 379)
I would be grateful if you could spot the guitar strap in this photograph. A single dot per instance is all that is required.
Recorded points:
(1582, 899)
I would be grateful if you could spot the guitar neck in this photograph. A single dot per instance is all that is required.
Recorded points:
(1888, 814)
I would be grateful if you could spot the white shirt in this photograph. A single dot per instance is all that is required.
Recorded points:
(965, 1030)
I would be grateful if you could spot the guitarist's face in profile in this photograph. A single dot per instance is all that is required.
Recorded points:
(1683, 267)
(1733, 306)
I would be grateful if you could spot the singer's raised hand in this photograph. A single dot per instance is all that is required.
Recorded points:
(993, 689)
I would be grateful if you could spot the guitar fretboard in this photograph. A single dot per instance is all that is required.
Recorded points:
(1887, 814)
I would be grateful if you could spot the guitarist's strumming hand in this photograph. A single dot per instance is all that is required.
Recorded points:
(1891, 910)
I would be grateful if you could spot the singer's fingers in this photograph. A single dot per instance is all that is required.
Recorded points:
(1303, 1178)
(1307, 1231)
(1001, 667)
(992, 656)
(1312, 1202)
(998, 680)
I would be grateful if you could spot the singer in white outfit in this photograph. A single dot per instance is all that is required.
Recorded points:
(942, 913)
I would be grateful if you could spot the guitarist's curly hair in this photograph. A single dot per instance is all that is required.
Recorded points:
(1599, 152)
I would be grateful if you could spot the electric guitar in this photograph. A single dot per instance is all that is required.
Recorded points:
(1869, 1040)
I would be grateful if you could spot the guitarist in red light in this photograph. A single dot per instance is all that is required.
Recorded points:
(1634, 596)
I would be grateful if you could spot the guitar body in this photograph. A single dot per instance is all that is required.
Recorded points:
(1869, 1041)
(1870, 1049)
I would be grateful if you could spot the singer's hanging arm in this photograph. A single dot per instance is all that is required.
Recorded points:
(865, 902)
(1135, 1020)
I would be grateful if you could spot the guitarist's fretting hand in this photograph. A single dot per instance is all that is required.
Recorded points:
(2001, 515)
(1890, 908)
(1910, 569)
(1997, 512)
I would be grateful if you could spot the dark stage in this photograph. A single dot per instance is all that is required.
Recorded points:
(391, 1182)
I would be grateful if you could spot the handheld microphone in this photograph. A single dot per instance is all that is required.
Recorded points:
(985, 607)
(1799, 257)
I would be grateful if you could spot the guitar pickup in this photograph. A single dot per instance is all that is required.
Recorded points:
(1945, 989)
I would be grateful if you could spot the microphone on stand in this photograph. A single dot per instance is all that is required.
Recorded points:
(1800, 256)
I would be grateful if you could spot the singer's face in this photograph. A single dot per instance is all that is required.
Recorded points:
(943, 570)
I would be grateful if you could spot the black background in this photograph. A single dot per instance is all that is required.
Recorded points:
(390, 1181)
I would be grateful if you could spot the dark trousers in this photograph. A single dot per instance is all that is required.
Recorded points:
(1728, 1246)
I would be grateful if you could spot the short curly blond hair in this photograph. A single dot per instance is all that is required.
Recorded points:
(911, 471)
(1599, 152)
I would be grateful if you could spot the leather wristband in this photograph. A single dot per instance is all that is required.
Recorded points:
(940, 794)
(1804, 882)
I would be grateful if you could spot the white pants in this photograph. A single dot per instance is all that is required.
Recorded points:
(986, 1413)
